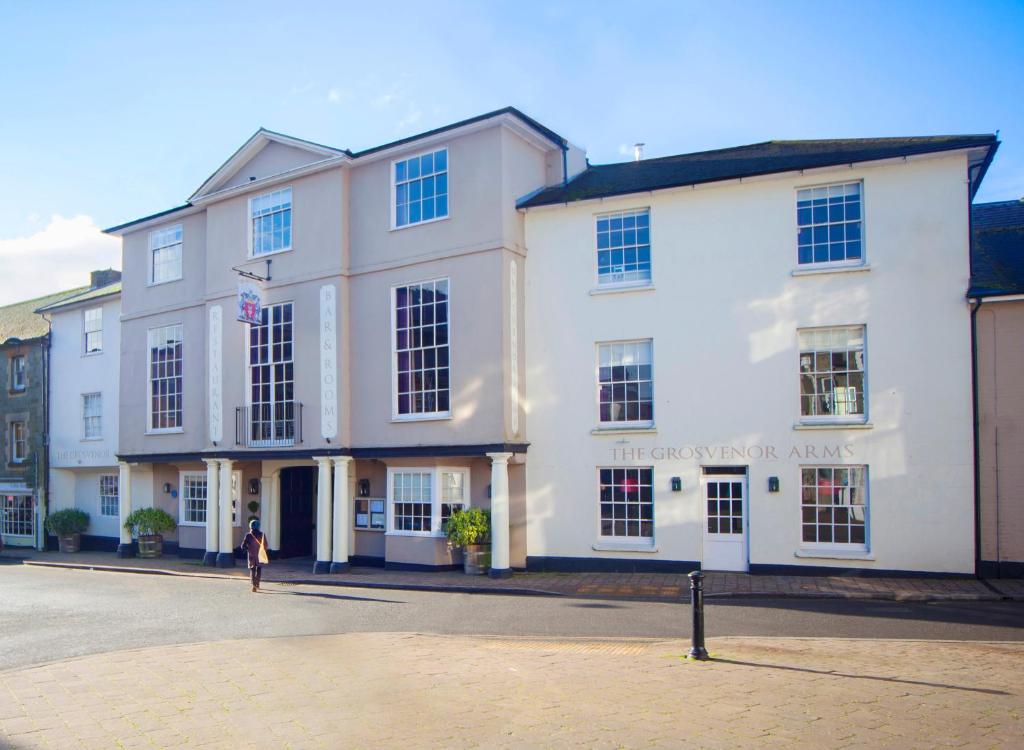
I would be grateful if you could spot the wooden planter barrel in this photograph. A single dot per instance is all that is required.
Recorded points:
(151, 546)
(476, 559)
(69, 542)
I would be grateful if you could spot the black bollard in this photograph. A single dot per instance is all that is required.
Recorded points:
(697, 650)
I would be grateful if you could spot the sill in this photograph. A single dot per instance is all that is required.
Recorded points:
(261, 256)
(646, 429)
(421, 534)
(192, 524)
(395, 228)
(834, 554)
(93, 353)
(814, 269)
(621, 289)
(161, 283)
(375, 531)
(167, 431)
(432, 417)
(833, 426)
(17, 391)
(624, 547)
(92, 439)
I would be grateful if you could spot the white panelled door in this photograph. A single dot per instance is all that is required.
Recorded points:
(725, 518)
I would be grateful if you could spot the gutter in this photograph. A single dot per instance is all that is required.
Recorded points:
(44, 346)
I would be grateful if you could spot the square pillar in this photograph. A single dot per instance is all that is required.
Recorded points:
(323, 516)
(226, 551)
(212, 515)
(124, 508)
(500, 567)
(342, 514)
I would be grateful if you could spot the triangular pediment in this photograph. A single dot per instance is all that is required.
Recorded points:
(264, 155)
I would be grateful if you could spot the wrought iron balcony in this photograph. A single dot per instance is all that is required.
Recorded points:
(277, 425)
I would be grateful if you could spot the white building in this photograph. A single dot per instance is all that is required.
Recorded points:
(754, 359)
(85, 371)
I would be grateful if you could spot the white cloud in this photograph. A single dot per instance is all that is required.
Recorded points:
(57, 257)
(412, 116)
(625, 150)
(334, 96)
(384, 100)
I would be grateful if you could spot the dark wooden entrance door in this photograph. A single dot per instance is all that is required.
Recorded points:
(298, 490)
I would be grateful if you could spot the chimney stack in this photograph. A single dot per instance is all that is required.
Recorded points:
(638, 151)
(103, 278)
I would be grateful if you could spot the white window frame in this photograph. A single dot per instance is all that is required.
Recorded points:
(435, 473)
(13, 441)
(19, 379)
(150, 429)
(394, 188)
(614, 285)
(86, 351)
(154, 238)
(626, 541)
(236, 497)
(251, 238)
(106, 495)
(830, 264)
(833, 546)
(833, 419)
(86, 416)
(622, 423)
(423, 416)
(275, 405)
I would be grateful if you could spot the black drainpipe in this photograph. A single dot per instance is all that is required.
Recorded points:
(565, 164)
(45, 346)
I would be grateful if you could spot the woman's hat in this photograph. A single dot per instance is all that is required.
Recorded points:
(254, 524)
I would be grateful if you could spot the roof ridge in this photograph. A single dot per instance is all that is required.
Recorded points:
(70, 292)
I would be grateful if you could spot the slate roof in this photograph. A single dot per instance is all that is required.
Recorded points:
(20, 320)
(88, 294)
(997, 249)
(605, 180)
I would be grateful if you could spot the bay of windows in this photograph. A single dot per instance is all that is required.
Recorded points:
(829, 224)
(92, 416)
(624, 247)
(109, 495)
(421, 188)
(625, 383)
(165, 254)
(93, 326)
(271, 222)
(832, 374)
(422, 500)
(834, 505)
(421, 349)
(627, 502)
(165, 377)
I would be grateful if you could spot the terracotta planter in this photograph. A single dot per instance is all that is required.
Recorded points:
(476, 559)
(69, 542)
(151, 546)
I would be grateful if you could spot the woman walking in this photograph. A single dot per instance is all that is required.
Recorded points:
(255, 546)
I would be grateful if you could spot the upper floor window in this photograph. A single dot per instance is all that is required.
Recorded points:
(421, 188)
(165, 378)
(18, 441)
(421, 370)
(832, 373)
(272, 419)
(92, 323)
(18, 373)
(624, 247)
(165, 254)
(828, 223)
(92, 416)
(271, 216)
(626, 383)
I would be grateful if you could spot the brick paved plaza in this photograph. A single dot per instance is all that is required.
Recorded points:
(411, 690)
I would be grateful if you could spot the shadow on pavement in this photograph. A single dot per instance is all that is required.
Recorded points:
(832, 673)
(322, 595)
(596, 605)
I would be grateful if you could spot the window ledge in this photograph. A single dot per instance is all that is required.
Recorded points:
(420, 534)
(645, 430)
(95, 353)
(17, 391)
(623, 547)
(817, 271)
(250, 258)
(834, 554)
(623, 289)
(169, 431)
(161, 283)
(395, 228)
(833, 426)
(430, 418)
(92, 439)
(375, 531)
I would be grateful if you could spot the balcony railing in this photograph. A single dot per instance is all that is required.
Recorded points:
(277, 425)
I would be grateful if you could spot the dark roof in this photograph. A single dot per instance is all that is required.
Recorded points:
(20, 320)
(997, 249)
(91, 293)
(606, 180)
(157, 215)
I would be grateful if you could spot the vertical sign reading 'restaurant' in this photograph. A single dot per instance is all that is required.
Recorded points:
(328, 362)
(216, 376)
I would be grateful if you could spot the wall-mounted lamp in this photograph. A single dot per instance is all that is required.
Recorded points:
(167, 488)
(254, 486)
(364, 488)
(488, 491)
(773, 484)
(677, 484)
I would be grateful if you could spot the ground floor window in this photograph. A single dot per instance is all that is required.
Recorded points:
(423, 501)
(17, 515)
(627, 502)
(109, 496)
(369, 513)
(193, 499)
(834, 505)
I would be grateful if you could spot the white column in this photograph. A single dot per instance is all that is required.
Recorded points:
(212, 513)
(342, 514)
(500, 567)
(124, 507)
(273, 529)
(323, 516)
(266, 506)
(226, 552)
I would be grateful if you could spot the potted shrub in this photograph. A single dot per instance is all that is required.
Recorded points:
(470, 531)
(148, 525)
(68, 525)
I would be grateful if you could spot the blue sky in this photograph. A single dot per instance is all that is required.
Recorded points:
(116, 110)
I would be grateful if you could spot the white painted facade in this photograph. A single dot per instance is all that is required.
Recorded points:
(83, 459)
(723, 311)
